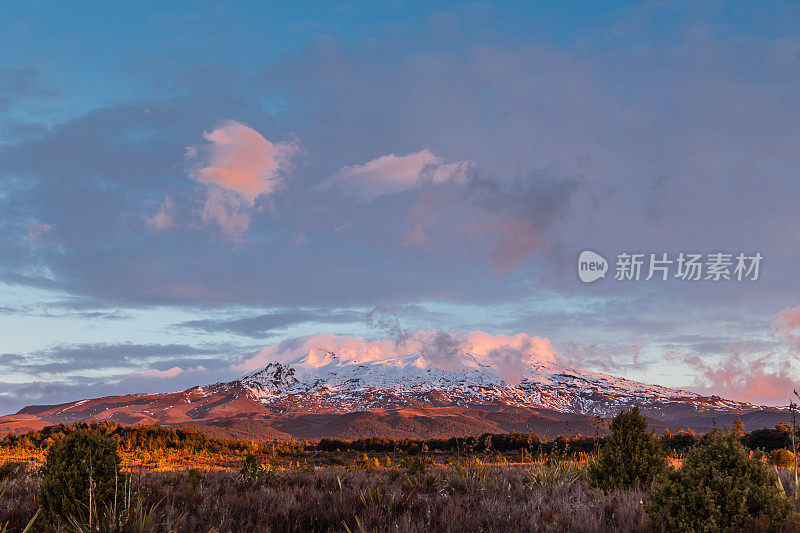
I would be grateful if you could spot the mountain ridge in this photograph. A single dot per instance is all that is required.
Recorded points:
(325, 394)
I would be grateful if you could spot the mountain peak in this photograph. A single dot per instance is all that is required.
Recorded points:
(348, 384)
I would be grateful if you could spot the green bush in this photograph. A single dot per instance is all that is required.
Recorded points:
(80, 464)
(416, 465)
(194, 477)
(251, 468)
(11, 469)
(631, 457)
(720, 487)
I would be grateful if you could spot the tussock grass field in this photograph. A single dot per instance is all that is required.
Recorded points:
(184, 481)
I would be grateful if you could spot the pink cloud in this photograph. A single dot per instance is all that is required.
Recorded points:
(36, 231)
(391, 174)
(166, 374)
(228, 210)
(514, 239)
(421, 216)
(762, 380)
(787, 327)
(163, 218)
(240, 165)
(241, 160)
(507, 355)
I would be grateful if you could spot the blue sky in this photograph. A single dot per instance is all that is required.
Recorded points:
(182, 184)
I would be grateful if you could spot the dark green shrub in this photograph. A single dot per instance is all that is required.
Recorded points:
(194, 478)
(251, 468)
(720, 487)
(416, 465)
(11, 469)
(631, 457)
(78, 465)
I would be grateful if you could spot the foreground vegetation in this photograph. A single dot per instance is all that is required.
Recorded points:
(96, 478)
(158, 448)
(457, 498)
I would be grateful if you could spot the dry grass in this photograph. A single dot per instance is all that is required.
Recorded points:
(455, 498)
(352, 491)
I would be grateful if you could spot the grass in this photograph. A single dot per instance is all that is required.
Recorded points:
(311, 488)
(465, 495)
(441, 498)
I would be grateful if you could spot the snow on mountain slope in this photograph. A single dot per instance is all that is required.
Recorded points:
(425, 384)
(322, 379)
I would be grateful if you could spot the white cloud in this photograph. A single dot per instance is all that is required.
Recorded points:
(391, 174)
(166, 374)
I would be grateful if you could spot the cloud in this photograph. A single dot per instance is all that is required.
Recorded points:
(14, 396)
(229, 210)
(622, 125)
(56, 310)
(70, 358)
(787, 327)
(75, 371)
(510, 220)
(391, 174)
(385, 318)
(241, 160)
(507, 355)
(762, 380)
(36, 230)
(163, 218)
(166, 374)
(240, 165)
(267, 323)
(613, 357)
(21, 84)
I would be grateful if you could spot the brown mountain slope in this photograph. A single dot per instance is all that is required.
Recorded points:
(228, 410)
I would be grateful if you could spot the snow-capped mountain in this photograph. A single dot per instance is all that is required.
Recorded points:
(334, 383)
(309, 393)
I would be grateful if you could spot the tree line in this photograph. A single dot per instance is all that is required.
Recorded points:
(192, 440)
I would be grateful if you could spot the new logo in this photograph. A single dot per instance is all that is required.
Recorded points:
(591, 266)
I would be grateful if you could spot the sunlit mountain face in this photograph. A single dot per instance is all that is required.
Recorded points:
(310, 391)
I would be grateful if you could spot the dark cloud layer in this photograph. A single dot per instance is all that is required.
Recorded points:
(99, 356)
(267, 323)
(561, 158)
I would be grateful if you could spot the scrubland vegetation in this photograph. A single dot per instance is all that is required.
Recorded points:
(105, 477)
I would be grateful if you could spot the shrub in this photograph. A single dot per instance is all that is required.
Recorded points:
(194, 478)
(738, 428)
(719, 487)
(416, 465)
(782, 458)
(82, 465)
(251, 468)
(631, 457)
(552, 474)
(11, 469)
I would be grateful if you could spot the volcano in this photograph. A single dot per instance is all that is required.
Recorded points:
(323, 393)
